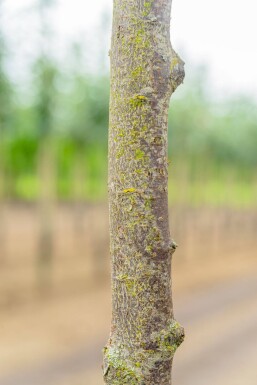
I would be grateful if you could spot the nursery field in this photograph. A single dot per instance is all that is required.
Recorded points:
(55, 318)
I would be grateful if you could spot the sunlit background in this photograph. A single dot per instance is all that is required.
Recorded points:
(54, 253)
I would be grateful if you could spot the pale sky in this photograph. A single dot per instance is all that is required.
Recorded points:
(221, 34)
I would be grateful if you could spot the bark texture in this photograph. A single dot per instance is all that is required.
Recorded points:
(145, 71)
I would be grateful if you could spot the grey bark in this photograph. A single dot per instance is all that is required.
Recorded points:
(145, 71)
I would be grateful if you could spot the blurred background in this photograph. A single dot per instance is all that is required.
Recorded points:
(54, 253)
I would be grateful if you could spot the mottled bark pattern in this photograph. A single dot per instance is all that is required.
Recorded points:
(145, 71)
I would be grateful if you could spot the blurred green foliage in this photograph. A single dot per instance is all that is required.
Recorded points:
(212, 144)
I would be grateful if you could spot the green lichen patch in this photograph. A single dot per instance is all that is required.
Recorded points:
(139, 154)
(119, 369)
(129, 190)
(147, 7)
(137, 72)
(138, 100)
(174, 61)
(122, 366)
(169, 339)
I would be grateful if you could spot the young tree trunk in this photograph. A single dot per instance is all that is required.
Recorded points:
(145, 71)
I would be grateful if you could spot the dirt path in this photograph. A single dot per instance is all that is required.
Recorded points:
(220, 348)
(221, 339)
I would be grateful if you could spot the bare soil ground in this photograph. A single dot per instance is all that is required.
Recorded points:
(55, 337)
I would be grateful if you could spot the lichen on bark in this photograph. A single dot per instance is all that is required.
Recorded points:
(145, 71)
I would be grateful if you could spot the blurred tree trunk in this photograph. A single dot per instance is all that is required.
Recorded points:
(46, 208)
(2, 197)
(46, 172)
(145, 71)
(2, 124)
(46, 72)
(6, 94)
(78, 194)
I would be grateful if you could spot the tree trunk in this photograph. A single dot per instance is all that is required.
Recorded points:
(2, 202)
(145, 71)
(46, 202)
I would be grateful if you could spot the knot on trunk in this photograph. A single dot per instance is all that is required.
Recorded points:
(140, 365)
(173, 246)
(177, 72)
(169, 339)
